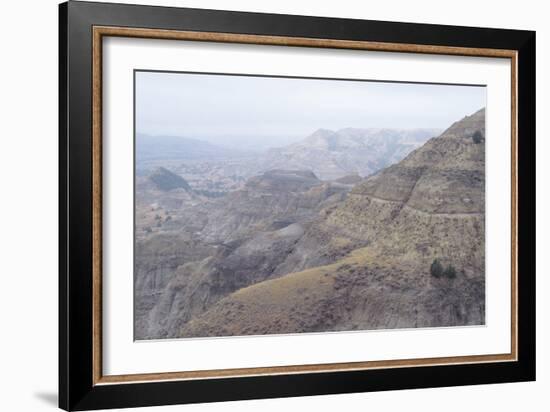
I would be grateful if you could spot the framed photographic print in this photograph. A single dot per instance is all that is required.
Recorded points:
(256, 205)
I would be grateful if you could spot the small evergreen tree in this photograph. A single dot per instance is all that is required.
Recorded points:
(477, 137)
(436, 269)
(450, 272)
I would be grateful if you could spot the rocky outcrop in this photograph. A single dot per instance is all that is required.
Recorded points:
(273, 199)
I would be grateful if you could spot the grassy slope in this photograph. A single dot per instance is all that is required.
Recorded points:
(353, 293)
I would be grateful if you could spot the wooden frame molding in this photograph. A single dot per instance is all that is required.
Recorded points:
(101, 31)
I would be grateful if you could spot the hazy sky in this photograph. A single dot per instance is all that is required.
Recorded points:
(212, 107)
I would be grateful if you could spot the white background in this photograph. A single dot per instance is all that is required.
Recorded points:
(28, 206)
(124, 356)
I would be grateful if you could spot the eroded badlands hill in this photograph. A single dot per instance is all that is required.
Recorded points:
(208, 251)
(364, 263)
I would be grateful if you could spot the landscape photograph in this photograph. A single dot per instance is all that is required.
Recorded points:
(268, 205)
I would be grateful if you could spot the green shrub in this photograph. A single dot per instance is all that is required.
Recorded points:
(450, 272)
(436, 269)
(477, 137)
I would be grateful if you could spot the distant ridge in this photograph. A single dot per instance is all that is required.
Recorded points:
(335, 154)
(176, 148)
